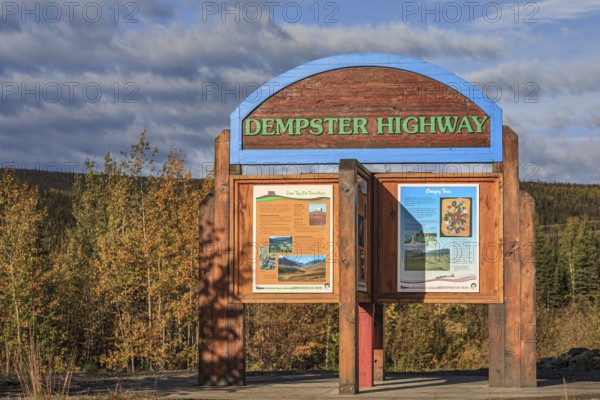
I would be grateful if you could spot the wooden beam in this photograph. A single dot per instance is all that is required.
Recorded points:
(236, 341)
(222, 354)
(528, 311)
(496, 344)
(206, 318)
(366, 325)
(348, 313)
(378, 344)
(505, 319)
(512, 265)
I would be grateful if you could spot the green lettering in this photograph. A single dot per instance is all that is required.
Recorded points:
(360, 124)
(430, 124)
(465, 124)
(344, 125)
(412, 129)
(266, 124)
(284, 127)
(330, 125)
(479, 124)
(301, 124)
(381, 125)
(316, 126)
(445, 125)
(248, 131)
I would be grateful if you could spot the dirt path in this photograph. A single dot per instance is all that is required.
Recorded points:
(472, 385)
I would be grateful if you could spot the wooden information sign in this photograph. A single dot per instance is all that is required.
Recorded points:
(363, 239)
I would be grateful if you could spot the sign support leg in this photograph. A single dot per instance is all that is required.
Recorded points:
(528, 317)
(512, 324)
(366, 329)
(347, 237)
(206, 317)
(222, 347)
(378, 349)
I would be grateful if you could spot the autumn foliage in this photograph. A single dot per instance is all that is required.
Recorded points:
(107, 274)
(118, 282)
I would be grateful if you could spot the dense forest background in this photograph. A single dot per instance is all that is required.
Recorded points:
(102, 269)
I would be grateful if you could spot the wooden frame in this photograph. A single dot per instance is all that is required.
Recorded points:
(363, 173)
(490, 240)
(241, 218)
(512, 324)
(222, 356)
(356, 315)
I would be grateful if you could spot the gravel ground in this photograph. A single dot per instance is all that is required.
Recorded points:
(141, 385)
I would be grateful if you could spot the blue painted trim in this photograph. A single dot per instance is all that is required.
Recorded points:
(367, 156)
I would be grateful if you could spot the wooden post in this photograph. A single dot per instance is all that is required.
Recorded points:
(206, 320)
(512, 266)
(366, 325)
(236, 341)
(222, 352)
(528, 311)
(512, 324)
(378, 349)
(348, 313)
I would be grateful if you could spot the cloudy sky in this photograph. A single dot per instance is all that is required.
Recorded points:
(80, 78)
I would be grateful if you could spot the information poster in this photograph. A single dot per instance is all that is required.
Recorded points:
(293, 237)
(438, 231)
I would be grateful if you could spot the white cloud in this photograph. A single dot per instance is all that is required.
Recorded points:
(553, 78)
(560, 10)
(187, 79)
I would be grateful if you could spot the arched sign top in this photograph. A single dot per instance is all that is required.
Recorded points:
(376, 108)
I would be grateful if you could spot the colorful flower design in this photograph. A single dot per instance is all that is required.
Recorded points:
(456, 217)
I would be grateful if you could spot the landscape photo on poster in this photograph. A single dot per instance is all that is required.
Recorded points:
(280, 244)
(267, 259)
(317, 214)
(418, 258)
(297, 268)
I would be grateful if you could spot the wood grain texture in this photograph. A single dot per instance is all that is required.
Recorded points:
(348, 311)
(496, 334)
(366, 327)
(528, 311)
(496, 339)
(378, 343)
(206, 317)
(490, 251)
(366, 92)
(228, 350)
(512, 265)
(363, 173)
(236, 340)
